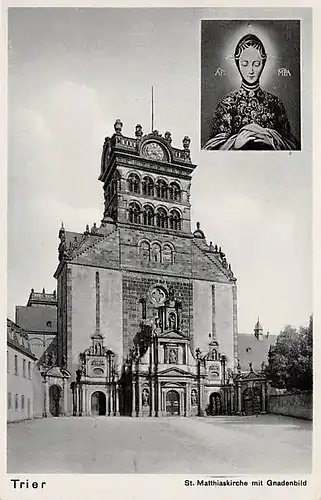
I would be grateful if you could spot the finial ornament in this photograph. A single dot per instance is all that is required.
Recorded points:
(118, 126)
(168, 137)
(138, 131)
(186, 142)
(198, 225)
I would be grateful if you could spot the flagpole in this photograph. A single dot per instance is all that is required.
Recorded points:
(152, 108)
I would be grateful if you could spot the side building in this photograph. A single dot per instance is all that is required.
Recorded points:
(39, 320)
(20, 371)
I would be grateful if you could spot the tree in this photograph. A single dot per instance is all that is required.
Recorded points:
(290, 358)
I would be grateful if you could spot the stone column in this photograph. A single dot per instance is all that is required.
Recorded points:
(111, 409)
(188, 400)
(182, 403)
(239, 398)
(139, 399)
(117, 400)
(45, 413)
(83, 403)
(160, 406)
(201, 396)
(133, 399)
(79, 401)
(65, 395)
(152, 399)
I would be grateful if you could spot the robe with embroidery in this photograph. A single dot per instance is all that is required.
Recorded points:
(249, 110)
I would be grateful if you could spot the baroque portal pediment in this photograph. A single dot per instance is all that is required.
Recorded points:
(174, 372)
(173, 335)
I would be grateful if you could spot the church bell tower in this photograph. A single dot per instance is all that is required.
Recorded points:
(146, 181)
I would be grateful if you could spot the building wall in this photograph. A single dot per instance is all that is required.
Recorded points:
(19, 386)
(83, 309)
(202, 313)
(136, 286)
(214, 313)
(298, 405)
(224, 320)
(130, 240)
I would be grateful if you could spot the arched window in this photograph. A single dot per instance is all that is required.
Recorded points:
(156, 253)
(134, 213)
(142, 303)
(133, 183)
(175, 191)
(167, 254)
(148, 186)
(144, 251)
(175, 220)
(161, 189)
(148, 216)
(161, 218)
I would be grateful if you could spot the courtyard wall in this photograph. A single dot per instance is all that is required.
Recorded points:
(298, 404)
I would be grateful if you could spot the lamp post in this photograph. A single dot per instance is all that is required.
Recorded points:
(44, 368)
(198, 358)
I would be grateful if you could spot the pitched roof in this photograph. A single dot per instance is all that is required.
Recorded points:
(254, 350)
(37, 319)
(18, 338)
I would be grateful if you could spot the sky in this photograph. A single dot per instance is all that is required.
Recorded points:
(72, 73)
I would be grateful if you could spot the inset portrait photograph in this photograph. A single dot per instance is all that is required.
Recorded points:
(250, 85)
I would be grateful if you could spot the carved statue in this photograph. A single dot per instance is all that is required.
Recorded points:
(172, 356)
(118, 126)
(145, 397)
(168, 137)
(94, 229)
(171, 321)
(214, 354)
(138, 131)
(194, 397)
(186, 142)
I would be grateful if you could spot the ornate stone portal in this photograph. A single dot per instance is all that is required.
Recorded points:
(95, 391)
(162, 376)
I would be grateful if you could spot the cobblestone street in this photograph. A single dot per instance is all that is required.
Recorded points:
(220, 445)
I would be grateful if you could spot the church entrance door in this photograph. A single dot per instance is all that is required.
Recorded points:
(172, 403)
(215, 404)
(98, 403)
(54, 400)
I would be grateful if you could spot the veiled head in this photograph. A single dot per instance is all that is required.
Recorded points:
(250, 58)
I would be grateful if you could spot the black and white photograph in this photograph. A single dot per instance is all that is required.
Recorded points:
(250, 85)
(159, 301)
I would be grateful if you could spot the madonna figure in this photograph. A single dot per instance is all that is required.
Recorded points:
(250, 118)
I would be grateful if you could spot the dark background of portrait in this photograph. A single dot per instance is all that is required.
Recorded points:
(215, 36)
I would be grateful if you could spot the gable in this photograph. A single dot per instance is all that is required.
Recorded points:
(173, 335)
(104, 252)
(205, 265)
(175, 372)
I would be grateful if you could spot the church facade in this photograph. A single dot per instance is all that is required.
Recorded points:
(146, 307)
